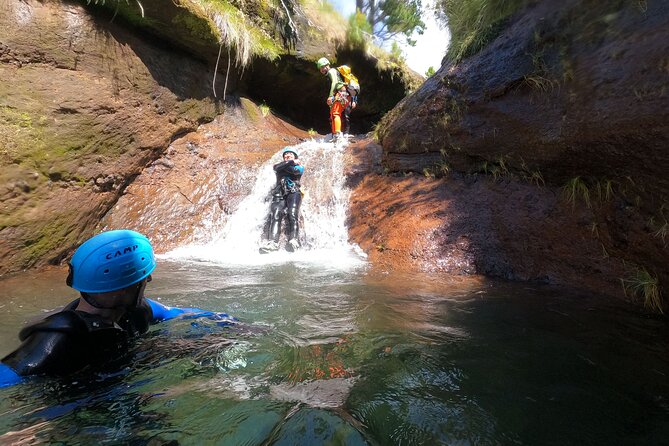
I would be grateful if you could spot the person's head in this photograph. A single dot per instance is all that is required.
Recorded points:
(340, 86)
(323, 65)
(289, 154)
(111, 269)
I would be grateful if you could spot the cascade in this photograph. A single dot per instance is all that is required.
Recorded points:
(323, 215)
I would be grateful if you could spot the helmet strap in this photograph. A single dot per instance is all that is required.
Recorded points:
(91, 302)
(70, 274)
(136, 301)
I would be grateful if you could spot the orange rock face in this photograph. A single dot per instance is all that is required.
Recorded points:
(466, 225)
(202, 176)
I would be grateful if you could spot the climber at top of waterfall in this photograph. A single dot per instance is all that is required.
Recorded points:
(286, 199)
(334, 76)
(341, 101)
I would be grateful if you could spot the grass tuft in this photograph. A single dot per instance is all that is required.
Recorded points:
(605, 190)
(576, 189)
(540, 83)
(474, 23)
(264, 110)
(237, 32)
(662, 232)
(644, 286)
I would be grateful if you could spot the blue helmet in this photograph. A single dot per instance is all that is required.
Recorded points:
(111, 261)
(289, 150)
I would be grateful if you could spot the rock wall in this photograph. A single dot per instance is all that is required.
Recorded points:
(572, 98)
(474, 224)
(86, 105)
(87, 102)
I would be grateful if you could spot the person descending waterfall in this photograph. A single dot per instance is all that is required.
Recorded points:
(340, 102)
(286, 199)
(334, 75)
(111, 271)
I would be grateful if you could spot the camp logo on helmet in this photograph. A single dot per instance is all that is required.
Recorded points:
(119, 253)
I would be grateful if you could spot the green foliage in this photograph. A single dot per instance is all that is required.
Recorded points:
(644, 286)
(264, 110)
(396, 53)
(239, 33)
(430, 72)
(391, 19)
(474, 23)
(359, 31)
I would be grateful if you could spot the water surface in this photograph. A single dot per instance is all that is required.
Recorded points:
(330, 356)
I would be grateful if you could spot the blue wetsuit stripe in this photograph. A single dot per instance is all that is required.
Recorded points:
(8, 377)
(164, 313)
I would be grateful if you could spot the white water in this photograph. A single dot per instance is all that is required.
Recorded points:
(324, 207)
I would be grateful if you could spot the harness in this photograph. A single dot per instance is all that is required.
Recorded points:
(342, 97)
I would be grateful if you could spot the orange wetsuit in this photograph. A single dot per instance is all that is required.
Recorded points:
(341, 101)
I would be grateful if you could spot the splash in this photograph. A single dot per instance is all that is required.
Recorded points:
(324, 207)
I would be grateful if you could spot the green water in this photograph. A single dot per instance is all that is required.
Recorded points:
(331, 357)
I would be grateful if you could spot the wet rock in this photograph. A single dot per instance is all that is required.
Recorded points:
(329, 393)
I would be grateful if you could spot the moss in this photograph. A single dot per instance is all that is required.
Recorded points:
(197, 111)
(250, 110)
(202, 23)
(22, 135)
(237, 31)
(128, 11)
(199, 27)
(50, 239)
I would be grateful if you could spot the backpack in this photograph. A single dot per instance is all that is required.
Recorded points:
(350, 80)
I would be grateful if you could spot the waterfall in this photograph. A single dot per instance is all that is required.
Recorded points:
(323, 231)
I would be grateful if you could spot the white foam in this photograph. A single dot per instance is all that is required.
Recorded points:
(324, 208)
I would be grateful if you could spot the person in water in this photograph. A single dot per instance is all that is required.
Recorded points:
(334, 77)
(286, 199)
(338, 106)
(111, 271)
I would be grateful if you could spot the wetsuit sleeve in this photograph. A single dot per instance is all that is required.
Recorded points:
(8, 377)
(41, 352)
(288, 168)
(164, 313)
(280, 167)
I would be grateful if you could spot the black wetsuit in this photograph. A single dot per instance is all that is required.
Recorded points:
(286, 199)
(70, 340)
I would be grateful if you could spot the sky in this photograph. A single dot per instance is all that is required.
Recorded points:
(430, 47)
